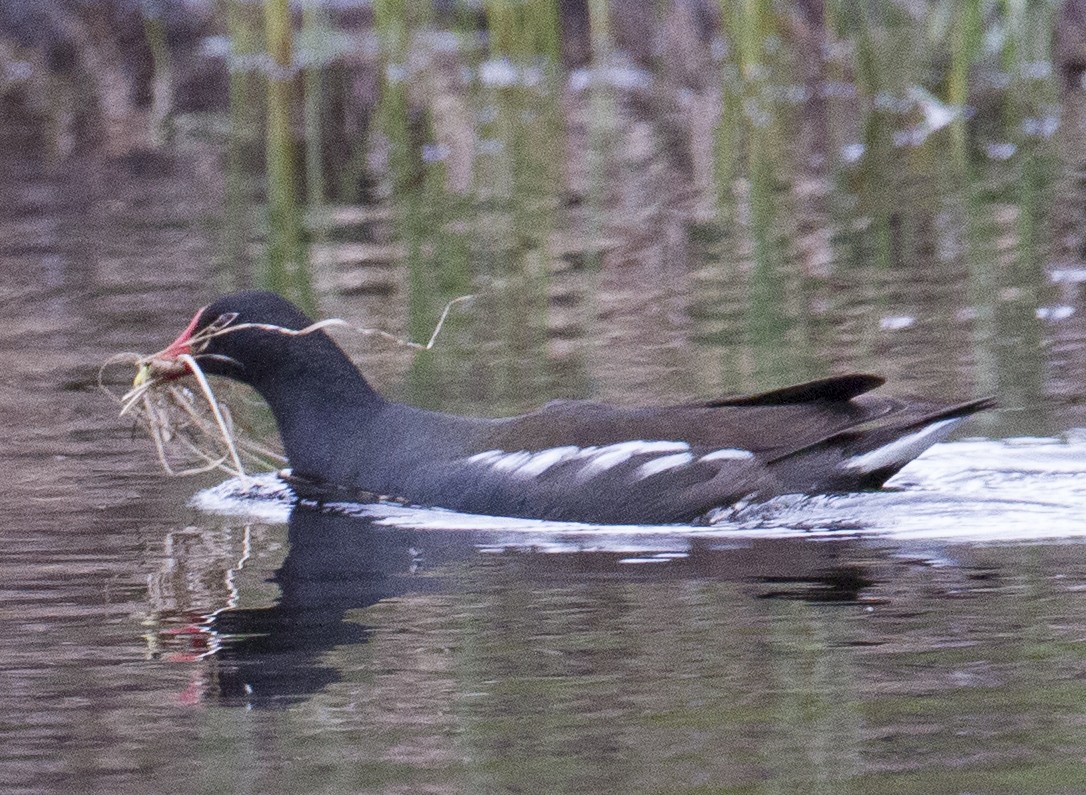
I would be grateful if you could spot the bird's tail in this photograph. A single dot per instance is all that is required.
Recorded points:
(866, 456)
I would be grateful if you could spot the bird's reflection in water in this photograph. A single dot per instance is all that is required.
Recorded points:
(276, 656)
(272, 656)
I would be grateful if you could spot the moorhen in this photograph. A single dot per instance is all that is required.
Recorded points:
(569, 460)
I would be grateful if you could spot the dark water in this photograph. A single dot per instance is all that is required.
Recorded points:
(929, 639)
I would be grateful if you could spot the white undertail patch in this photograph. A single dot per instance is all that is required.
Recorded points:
(901, 451)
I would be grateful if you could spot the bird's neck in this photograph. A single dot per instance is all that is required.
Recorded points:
(323, 407)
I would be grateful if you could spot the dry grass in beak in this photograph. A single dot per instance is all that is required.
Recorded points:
(192, 430)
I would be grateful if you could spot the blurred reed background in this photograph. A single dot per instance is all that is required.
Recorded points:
(651, 200)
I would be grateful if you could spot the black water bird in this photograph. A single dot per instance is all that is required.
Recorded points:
(568, 460)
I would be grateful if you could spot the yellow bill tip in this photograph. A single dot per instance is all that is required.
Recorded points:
(143, 375)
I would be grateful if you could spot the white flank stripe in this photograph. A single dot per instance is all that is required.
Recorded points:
(662, 464)
(510, 462)
(543, 460)
(902, 450)
(522, 463)
(640, 446)
(487, 458)
(614, 454)
(728, 455)
(604, 459)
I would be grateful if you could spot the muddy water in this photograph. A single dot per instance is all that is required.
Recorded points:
(925, 640)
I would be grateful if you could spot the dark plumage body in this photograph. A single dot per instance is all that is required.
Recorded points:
(569, 460)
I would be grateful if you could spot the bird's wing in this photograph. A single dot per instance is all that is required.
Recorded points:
(633, 481)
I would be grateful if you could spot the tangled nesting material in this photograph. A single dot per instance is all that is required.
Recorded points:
(192, 429)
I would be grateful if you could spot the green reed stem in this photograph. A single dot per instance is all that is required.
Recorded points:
(315, 20)
(162, 80)
(968, 37)
(286, 271)
(523, 29)
(245, 29)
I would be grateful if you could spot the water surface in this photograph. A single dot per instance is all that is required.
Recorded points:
(924, 639)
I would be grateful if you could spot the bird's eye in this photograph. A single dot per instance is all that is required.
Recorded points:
(222, 321)
(203, 339)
